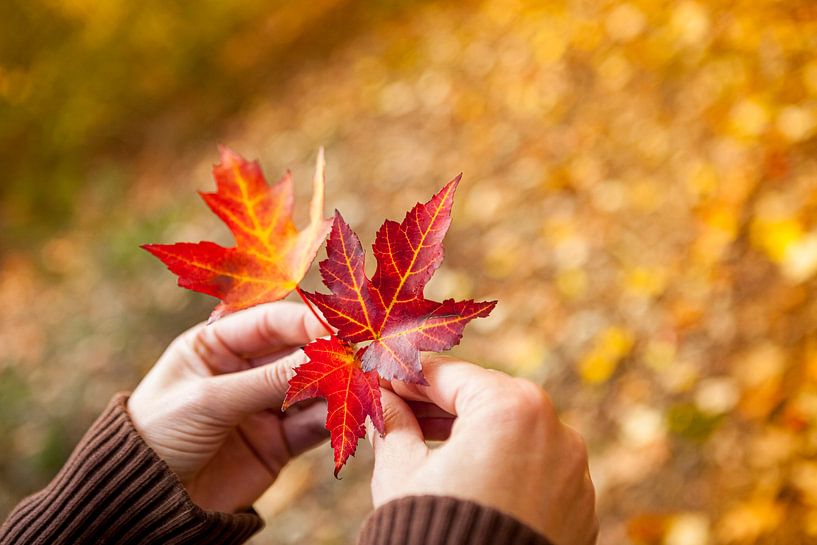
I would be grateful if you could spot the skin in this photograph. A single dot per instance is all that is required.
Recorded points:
(506, 448)
(210, 408)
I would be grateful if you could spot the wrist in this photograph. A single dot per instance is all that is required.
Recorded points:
(445, 520)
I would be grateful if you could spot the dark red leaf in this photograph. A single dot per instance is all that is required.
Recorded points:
(390, 310)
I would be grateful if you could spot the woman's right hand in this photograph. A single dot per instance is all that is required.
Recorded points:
(506, 449)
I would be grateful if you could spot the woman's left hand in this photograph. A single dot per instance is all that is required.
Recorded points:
(211, 406)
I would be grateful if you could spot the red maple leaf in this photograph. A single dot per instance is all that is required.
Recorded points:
(333, 372)
(390, 310)
(270, 257)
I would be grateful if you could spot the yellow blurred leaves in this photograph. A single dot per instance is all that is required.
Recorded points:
(549, 44)
(641, 185)
(702, 180)
(624, 23)
(748, 520)
(691, 22)
(749, 118)
(523, 355)
(609, 348)
(800, 258)
(648, 529)
(776, 235)
(684, 528)
(760, 365)
(810, 77)
(717, 395)
(782, 237)
(759, 370)
(642, 426)
(796, 123)
(688, 529)
(804, 479)
(645, 281)
(719, 227)
(571, 283)
(615, 71)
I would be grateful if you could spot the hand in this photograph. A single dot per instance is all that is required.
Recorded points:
(505, 449)
(211, 406)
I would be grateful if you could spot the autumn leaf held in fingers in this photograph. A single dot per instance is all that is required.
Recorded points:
(390, 311)
(270, 257)
(333, 372)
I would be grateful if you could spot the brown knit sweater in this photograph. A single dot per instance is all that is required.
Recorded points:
(115, 490)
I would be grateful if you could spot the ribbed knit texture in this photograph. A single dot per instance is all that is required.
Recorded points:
(437, 520)
(115, 490)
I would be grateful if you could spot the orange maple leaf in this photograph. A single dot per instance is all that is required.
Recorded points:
(270, 257)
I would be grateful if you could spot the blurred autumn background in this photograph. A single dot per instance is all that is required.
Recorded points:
(640, 193)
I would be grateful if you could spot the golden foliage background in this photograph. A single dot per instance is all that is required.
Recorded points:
(640, 191)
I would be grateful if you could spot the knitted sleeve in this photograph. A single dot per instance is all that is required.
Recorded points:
(115, 490)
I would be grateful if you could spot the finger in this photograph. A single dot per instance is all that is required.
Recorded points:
(265, 329)
(263, 436)
(403, 444)
(457, 387)
(272, 358)
(235, 395)
(306, 428)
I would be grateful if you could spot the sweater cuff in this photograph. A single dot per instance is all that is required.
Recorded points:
(438, 520)
(116, 489)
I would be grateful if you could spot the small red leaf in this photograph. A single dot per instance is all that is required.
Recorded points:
(333, 372)
(270, 257)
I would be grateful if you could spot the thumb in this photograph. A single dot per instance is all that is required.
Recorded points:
(235, 395)
(403, 445)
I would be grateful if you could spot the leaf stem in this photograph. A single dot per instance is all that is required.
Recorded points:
(312, 309)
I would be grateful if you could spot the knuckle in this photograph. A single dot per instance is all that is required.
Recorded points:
(183, 342)
(265, 329)
(527, 400)
(198, 341)
(276, 377)
(481, 398)
(390, 415)
(434, 358)
(393, 412)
